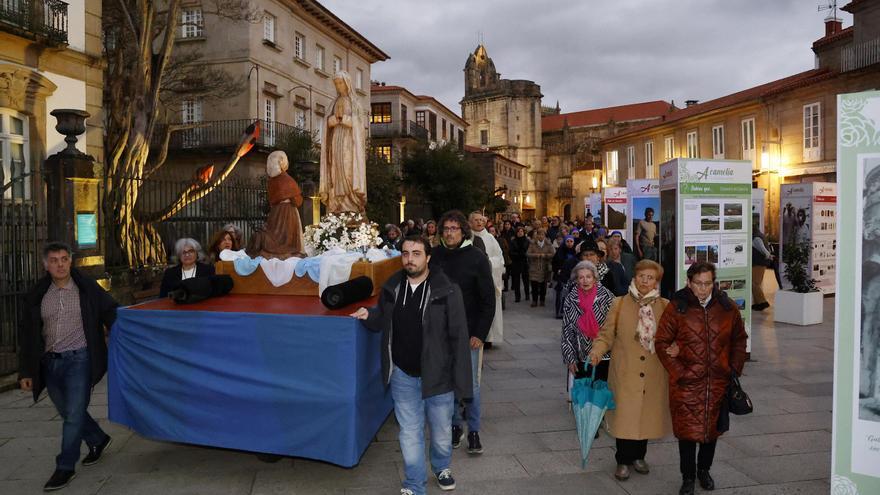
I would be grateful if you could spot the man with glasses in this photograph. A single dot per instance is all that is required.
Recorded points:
(63, 348)
(707, 327)
(468, 268)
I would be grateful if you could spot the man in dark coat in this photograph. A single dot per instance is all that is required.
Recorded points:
(469, 268)
(708, 329)
(425, 359)
(63, 349)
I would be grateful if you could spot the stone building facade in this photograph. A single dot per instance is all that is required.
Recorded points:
(504, 116)
(787, 128)
(505, 176)
(286, 60)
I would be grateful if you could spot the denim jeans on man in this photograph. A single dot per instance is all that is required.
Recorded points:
(411, 410)
(68, 381)
(473, 407)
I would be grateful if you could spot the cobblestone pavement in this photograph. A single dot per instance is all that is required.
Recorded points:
(528, 434)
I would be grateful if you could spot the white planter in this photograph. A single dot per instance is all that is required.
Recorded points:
(797, 308)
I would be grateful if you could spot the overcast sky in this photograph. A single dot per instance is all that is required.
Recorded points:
(592, 53)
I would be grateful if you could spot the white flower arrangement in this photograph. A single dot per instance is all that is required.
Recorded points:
(349, 231)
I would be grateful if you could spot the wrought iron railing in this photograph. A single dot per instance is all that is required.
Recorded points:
(40, 19)
(398, 129)
(224, 134)
(860, 55)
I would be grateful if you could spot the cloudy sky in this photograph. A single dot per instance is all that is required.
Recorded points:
(592, 53)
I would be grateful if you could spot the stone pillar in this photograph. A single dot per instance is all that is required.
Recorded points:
(72, 195)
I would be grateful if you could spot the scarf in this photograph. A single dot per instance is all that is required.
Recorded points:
(587, 322)
(647, 326)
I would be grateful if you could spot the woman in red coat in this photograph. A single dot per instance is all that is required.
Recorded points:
(711, 338)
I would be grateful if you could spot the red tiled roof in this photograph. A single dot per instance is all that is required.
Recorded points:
(623, 113)
(843, 33)
(774, 87)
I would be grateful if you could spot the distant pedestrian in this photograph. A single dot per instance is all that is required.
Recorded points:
(761, 260)
(519, 264)
(477, 222)
(393, 237)
(561, 260)
(637, 378)
(540, 255)
(63, 348)
(469, 268)
(421, 310)
(431, 233)
(707, 327)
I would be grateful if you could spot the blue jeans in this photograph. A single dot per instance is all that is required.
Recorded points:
(68, 378)
(472, 408)
(411, 409)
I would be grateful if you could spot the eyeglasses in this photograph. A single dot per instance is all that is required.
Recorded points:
(703, 284)
(189, 251)
(451, 229)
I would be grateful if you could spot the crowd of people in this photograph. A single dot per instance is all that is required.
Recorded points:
(668, 362)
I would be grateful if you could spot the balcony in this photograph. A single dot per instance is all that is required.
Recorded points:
(224, 135)
(44, 20)
(395, 130)
(564, 189)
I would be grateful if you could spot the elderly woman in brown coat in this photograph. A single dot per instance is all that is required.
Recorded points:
(637, 377)
(540, 254)
(707, 327)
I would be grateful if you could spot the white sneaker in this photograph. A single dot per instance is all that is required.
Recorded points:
(406, 491)
(445, 480)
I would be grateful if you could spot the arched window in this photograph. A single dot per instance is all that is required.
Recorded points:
(14, 159)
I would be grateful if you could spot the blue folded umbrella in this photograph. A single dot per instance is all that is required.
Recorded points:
(590, 398)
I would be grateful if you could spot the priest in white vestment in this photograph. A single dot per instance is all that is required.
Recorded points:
(477, 222)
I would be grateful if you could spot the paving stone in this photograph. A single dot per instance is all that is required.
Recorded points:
(786, 468)
(179, 483)
(782, 443)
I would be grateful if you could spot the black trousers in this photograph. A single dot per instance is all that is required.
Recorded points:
(629, 451)
(691, 461)
(539, 291)
(519, 274)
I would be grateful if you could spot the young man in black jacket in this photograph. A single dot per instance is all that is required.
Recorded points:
(63, 348)
(425, 359)
(469, 268)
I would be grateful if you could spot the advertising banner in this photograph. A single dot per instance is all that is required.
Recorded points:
(616, 211)
(643, 196)
(855, 451)
(706, 209)
(594, 204)
(808, 212)
(759, 203)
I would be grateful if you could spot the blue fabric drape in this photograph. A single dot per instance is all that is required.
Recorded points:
(306, 386)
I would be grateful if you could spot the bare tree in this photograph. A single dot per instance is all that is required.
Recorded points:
(146, 75)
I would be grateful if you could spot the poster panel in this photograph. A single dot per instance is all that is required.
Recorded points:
(759, 203)
(616, 211)
(855, 447)
(644, 199)
(808, 213)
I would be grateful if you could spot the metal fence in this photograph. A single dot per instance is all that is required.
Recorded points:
(38, 18)
(216, 135)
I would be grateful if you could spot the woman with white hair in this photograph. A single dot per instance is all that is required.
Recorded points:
(583, 313)
(189, 255)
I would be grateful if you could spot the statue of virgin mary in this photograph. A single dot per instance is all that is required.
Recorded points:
(343, 183)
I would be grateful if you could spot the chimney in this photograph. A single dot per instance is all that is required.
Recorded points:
(833, 25)
(690, 103)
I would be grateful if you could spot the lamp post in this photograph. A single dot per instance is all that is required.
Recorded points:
(309, 87)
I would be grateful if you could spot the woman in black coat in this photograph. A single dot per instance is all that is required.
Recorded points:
(190, 256)
(519, 264)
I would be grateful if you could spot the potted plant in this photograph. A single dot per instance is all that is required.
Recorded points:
(802, 303)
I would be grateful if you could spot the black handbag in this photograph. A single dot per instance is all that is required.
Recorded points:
(738, 401)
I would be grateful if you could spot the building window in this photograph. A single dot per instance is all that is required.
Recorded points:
(420, 118)
(359, 79)
(812, 132)
(668, 148)
(191, 113)
(432, 125)
(611, 166)
(319, 57)
(192, 24)
(748, 139)
(451, 132)
(443, 128)
(484, 137)
(403, 114)
(380, 113)
(383, 153)
(692, 145)
(269, 27)
(461, 136)
(300, 118)
(14, 163)
(649, 160)
(718, 142)
(269, 115)
(299, 46)
(337, 64)
(630, 162)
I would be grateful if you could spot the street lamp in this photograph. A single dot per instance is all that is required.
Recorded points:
(309, 87)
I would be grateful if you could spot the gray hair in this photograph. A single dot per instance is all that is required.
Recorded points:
(584, 265)
(185, 242)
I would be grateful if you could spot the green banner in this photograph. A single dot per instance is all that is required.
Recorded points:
(715, 189)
